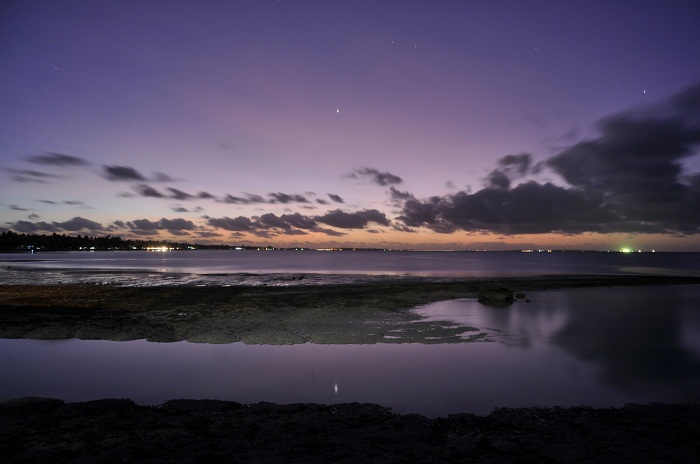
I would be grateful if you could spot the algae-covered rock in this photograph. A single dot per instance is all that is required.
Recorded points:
(495, 296)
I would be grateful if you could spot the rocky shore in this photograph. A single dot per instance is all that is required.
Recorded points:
(261, 315)
(188, 431)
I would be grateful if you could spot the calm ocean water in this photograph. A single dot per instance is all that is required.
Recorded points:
(587, 346)
(599, 347)
(228, 267)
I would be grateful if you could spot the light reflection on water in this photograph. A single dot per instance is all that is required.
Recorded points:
(600, 347)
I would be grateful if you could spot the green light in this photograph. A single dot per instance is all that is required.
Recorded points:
(626, 250)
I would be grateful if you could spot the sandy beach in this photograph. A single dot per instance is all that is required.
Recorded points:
(118, 430)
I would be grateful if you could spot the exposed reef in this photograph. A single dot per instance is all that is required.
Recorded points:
(360, 313)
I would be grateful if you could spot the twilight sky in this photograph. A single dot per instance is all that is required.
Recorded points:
(403, 124)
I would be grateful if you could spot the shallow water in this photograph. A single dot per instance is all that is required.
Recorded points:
(599, 347)
(247, 267)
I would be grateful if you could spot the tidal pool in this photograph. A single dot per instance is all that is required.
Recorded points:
(597, 347)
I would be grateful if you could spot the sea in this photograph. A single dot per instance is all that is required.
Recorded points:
(309, 267)
(598, 347)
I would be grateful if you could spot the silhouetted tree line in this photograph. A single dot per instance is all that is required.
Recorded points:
(12, 241)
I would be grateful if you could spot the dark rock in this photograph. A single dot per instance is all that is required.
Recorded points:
(44, 430)
(495, 296)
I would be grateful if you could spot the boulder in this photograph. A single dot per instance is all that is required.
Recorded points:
(497, 296)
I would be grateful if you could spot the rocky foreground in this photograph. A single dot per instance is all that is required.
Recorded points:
(187, 431)
(261, 315)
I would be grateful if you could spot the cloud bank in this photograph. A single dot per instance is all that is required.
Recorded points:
(630, 178)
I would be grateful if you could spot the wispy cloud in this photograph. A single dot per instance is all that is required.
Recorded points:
(30, 176)
(285, 198)
(373, 175)
(57, 159)
(119, 173)
(122, 173)
(336, 198)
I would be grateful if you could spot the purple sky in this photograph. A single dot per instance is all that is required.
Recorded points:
(427, 125)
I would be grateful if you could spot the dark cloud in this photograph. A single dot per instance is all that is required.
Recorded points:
(143, 225)
(76, 224)
(147, 191)
(30, 176)
(322, 202)
(403, 228)
(516, 165)
(179, 194)
(207, 234)
(354, 220)
(180, 209)
(269, 224)
(57, 159)
(336, 198)
(300, 221)
(398, 195)
(129, 174)
(628, 179)
(498, 180)
(179, 233)
(67, 202)
(527, 208)
(17, 208)
(77, 203)
(287, 198)
(122, 173)
(174, 226)
(206, 196)
(331, 232)
(28, 227)
(239, 224)
(248, 199)
(295, 232)
(161, 177)
(510, 167)
(79, 223)
(270, 220)
(379, 178)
